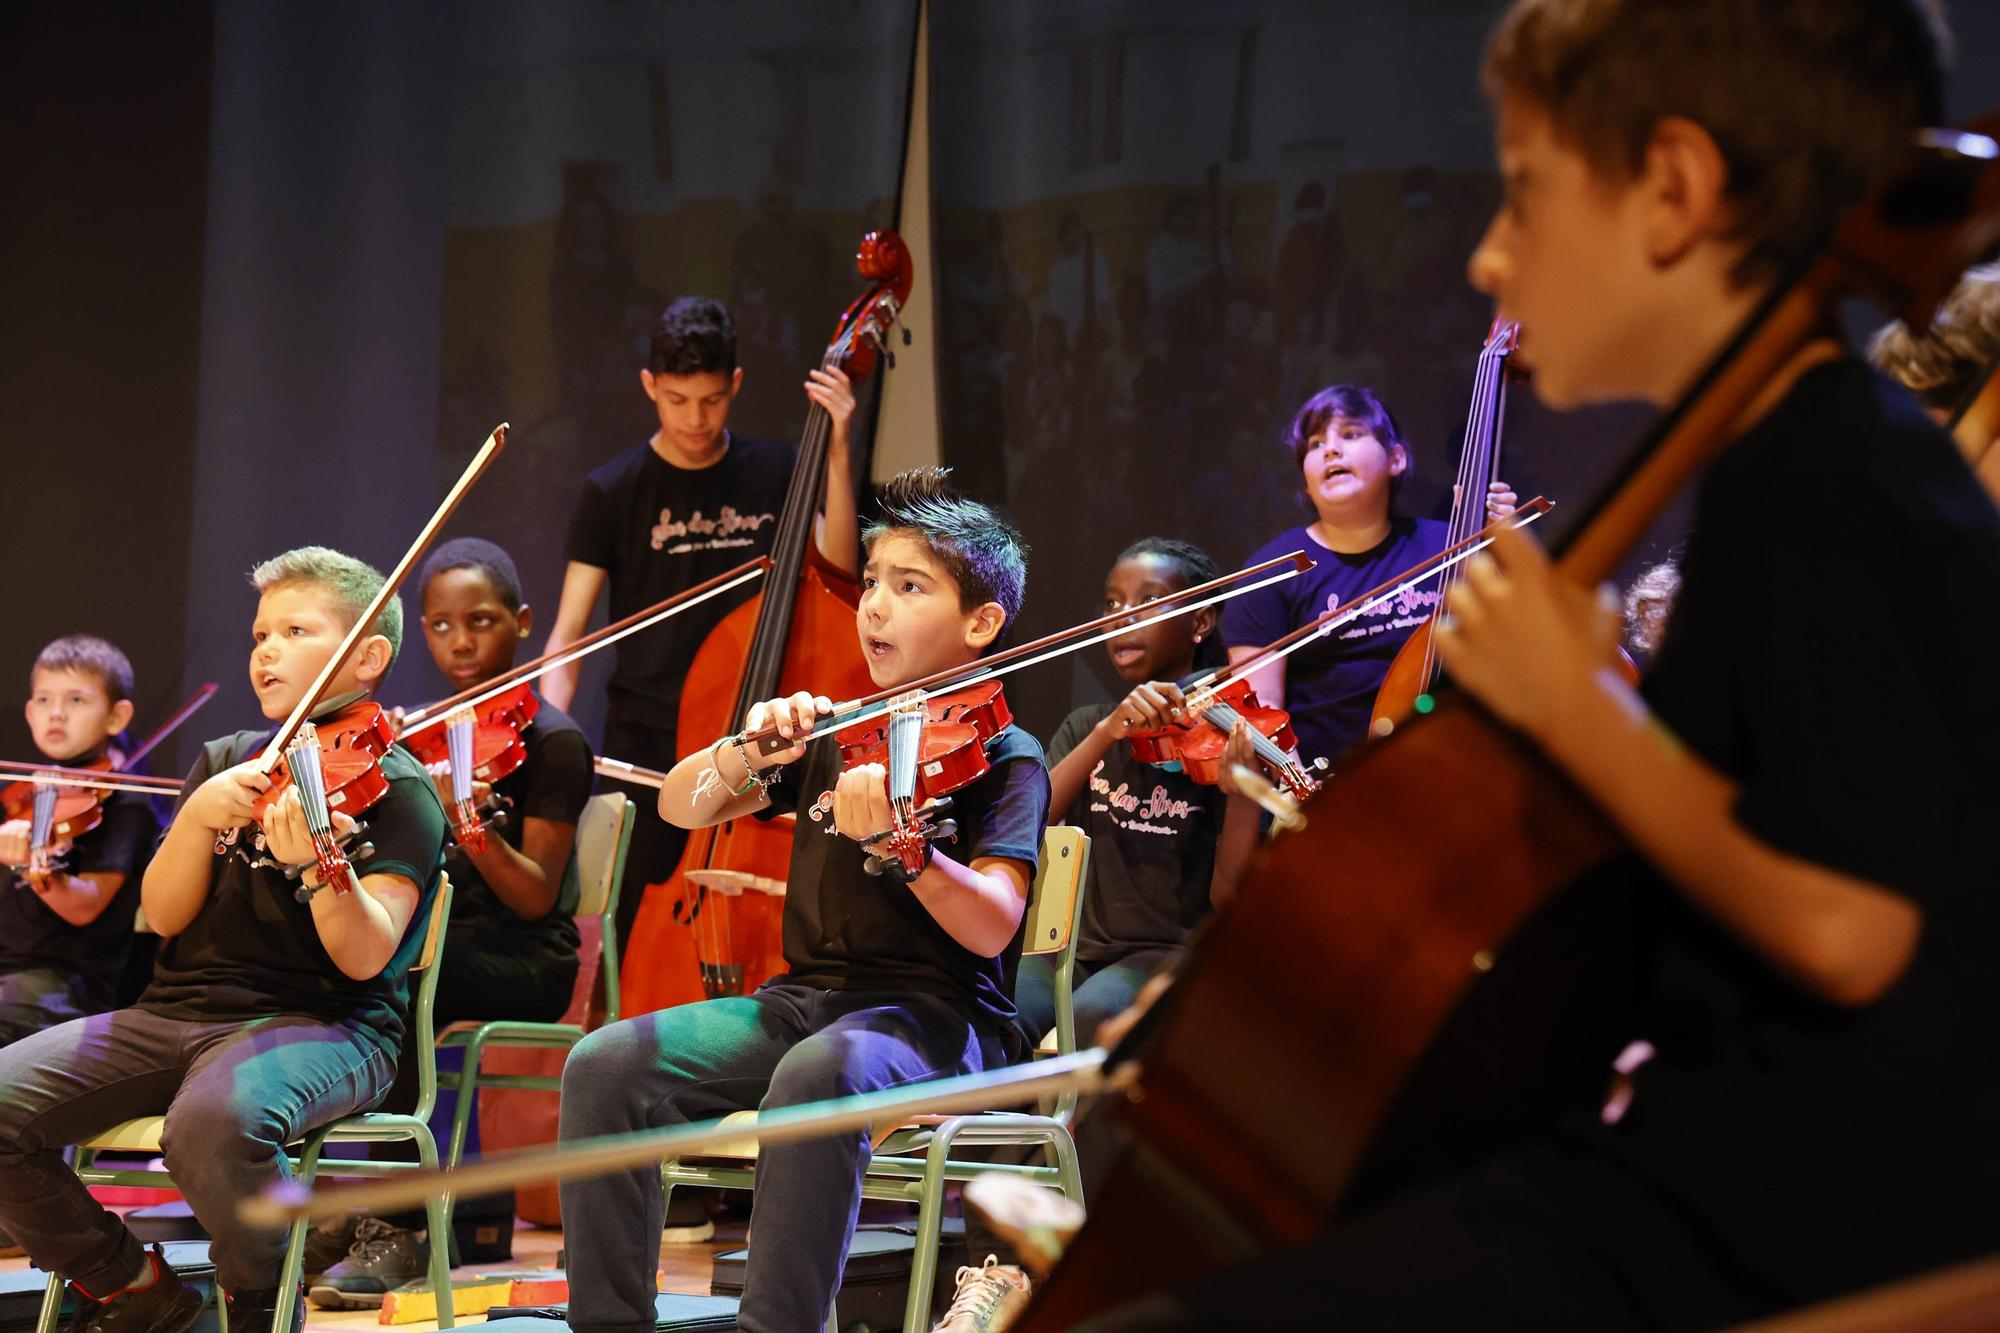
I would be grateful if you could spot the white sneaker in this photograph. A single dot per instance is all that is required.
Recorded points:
(988, 1299)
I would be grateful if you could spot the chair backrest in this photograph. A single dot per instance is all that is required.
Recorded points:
(423, 1046)
(603, 838)
(1055, 902)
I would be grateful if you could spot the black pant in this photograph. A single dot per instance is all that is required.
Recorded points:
(656, 844)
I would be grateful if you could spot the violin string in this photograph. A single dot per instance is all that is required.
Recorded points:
(458, 740)
(1468, 513)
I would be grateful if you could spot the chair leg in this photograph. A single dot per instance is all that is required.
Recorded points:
(930, 1225)
(52, 1297)
(464, 1095)
(1069, 1177)
(437, 1219)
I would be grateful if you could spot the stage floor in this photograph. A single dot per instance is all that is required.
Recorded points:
(687, 1269)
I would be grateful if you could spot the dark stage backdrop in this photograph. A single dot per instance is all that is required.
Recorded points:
(274, 270)
(1162, 226)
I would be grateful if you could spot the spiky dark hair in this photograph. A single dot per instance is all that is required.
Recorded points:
(482, 555)
(982, 551)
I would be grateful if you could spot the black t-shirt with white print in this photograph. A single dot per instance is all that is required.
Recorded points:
(658, 529)
(253, 950)
(1330, 684)
(845, 929)
(552, 783)
(1152, 846)
(1836, 674)
(32, 935)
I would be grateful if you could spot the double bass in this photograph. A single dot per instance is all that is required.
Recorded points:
(1413, 670)
(713, 928)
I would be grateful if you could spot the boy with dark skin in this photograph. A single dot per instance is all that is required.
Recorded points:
(891, 979)
(1808, 820)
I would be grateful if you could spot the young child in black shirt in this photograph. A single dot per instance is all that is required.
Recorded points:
(66, 934)
(1152, 830)
(266, 1016)
(888, 983)
(685, 505)
(1805, 775)
(511, 945)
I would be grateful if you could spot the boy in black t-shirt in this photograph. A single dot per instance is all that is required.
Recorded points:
(1152, 830)
(685, 505)
(889, 982)
(66, 932)
(1808, 790)
(266, 1016)
(510, 948)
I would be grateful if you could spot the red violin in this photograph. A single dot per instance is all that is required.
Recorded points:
(478, 744)
(336, 765)
(931, 746)
(1196, 744)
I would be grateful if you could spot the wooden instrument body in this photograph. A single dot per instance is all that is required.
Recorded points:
(351, 747)
(824, 656)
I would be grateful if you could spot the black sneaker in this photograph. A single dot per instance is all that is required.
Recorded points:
(255, 1311)
(164, 1305)
(328, 1243)
(383, 1258)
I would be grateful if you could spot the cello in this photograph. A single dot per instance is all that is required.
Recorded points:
(699, 935)
(1460, 843)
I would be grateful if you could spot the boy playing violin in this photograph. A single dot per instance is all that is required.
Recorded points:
(266, 1016)
(687, 504)
(511, 946)
(66, 932)
(891, 980)
(1810, 813)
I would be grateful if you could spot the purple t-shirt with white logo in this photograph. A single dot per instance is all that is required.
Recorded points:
(1330, 684)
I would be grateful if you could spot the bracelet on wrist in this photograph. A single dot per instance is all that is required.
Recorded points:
(761, 776)
(715, 762)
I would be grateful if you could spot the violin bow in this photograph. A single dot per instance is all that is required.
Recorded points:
(1279, 649)
(430, 715)
(1289, 565)
(107, 779)
(621, 771)
(172, 724)
(120, 778)
(275, 751)
(1088, 1071)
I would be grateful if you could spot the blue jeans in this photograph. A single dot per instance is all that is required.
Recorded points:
(785, 1045)
(234, 1094)
(1102, 990)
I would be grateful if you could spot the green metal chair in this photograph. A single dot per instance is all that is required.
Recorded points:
(143, 1135)
(913, 1162)
(603, 837)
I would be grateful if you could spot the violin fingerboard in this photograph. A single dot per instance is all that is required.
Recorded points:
(906, 734)
(302, 759)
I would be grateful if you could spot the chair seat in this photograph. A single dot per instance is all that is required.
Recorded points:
(138, 1135)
